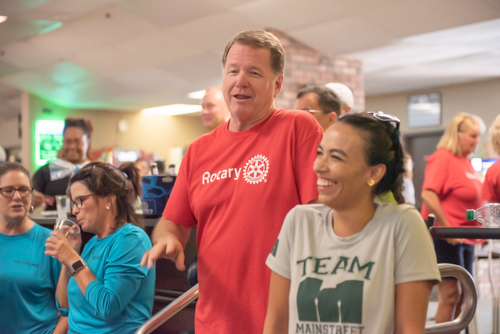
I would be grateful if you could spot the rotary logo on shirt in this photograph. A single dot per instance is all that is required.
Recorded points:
(254, 172)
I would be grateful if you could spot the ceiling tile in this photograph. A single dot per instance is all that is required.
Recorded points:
(406, 18)
(343, 36)
(112, 25)
(197, 68)
(66, 42)
(26, 55)
(64, 73)
(159, 47)
(7, 69)
(64, 10)
(107, 61)
(294, 14)
(166, 13)
(215, 31)
(14, 30)
(29, 81)
(16, 7)
(152, 79)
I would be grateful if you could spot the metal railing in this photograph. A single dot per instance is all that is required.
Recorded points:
(169, 311)
(446, 270)
(469, 300)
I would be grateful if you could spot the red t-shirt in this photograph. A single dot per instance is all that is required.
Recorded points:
(237, 187)
(491, 186)
(455, 182)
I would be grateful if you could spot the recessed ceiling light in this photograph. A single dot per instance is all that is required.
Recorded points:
(173, 109)
(197, 95)
(3, 18)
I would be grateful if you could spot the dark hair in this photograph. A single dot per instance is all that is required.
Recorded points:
(7, 167)
(84, 124)
(328, 100)
(103, 179)
(382, 146)
(261, 40)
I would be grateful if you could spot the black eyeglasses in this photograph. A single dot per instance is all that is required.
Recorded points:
(9, 192)
(383, 117)
(78, 202)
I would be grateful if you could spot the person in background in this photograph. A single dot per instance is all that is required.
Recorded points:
(215, 111)
(491, 187)
(344, 94)
(3, 155)
(53, 178)
(408, 187)
(329, 266)
(321, 102)
(28, 278)
(105, 290)
(143, 167)
(236, 184)
(450, 188)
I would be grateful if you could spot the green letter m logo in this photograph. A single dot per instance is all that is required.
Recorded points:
(343, 304)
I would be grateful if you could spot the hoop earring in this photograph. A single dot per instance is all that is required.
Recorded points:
(371, 183)
(31, 210)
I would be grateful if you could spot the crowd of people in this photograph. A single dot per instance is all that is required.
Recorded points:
(304, 218)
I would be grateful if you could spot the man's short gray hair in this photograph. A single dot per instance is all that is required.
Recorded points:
(261, 40)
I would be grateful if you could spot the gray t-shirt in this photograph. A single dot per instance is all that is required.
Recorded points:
(350, 282)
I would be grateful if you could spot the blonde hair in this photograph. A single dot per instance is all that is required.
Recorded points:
(495, 134)
(460, 123)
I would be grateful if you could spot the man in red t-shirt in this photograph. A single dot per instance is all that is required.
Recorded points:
(236, 184)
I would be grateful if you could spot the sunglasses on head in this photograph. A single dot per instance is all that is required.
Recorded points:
(383, 117)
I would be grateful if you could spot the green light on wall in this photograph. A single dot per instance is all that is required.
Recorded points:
(48, 140)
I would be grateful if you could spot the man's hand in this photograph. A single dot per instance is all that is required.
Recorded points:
(167, 247)
(38, 198)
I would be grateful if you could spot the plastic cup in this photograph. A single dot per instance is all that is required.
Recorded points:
(62, 205)
(67, 227)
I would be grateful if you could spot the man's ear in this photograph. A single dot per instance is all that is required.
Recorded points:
(278, 85)
(332, 118)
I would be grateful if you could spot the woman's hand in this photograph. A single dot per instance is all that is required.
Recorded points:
(454, 241)
(66, 251)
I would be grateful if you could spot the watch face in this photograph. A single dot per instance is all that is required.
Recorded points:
(77, 265)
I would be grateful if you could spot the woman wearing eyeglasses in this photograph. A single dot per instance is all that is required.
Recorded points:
(105, 290)
(28, 277)
(53, 178)
(450, 188)
(350, 264)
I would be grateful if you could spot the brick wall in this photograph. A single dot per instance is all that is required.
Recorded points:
(305, 65)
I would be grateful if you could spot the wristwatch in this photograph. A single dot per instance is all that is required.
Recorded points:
(76, 267)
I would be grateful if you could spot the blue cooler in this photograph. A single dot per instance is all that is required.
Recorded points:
(155, 193)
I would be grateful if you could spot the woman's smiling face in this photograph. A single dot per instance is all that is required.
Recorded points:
(341, 167)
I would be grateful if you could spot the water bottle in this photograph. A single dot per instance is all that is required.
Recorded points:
(488, 215)
(171, 169)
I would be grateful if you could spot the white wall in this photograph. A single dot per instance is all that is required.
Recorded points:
(481, 98)
(9, 135)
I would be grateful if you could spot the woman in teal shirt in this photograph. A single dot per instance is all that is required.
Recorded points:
(28, 278)
(105, 290)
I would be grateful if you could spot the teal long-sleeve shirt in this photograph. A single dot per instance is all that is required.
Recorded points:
(121, 299)
(28, 281)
